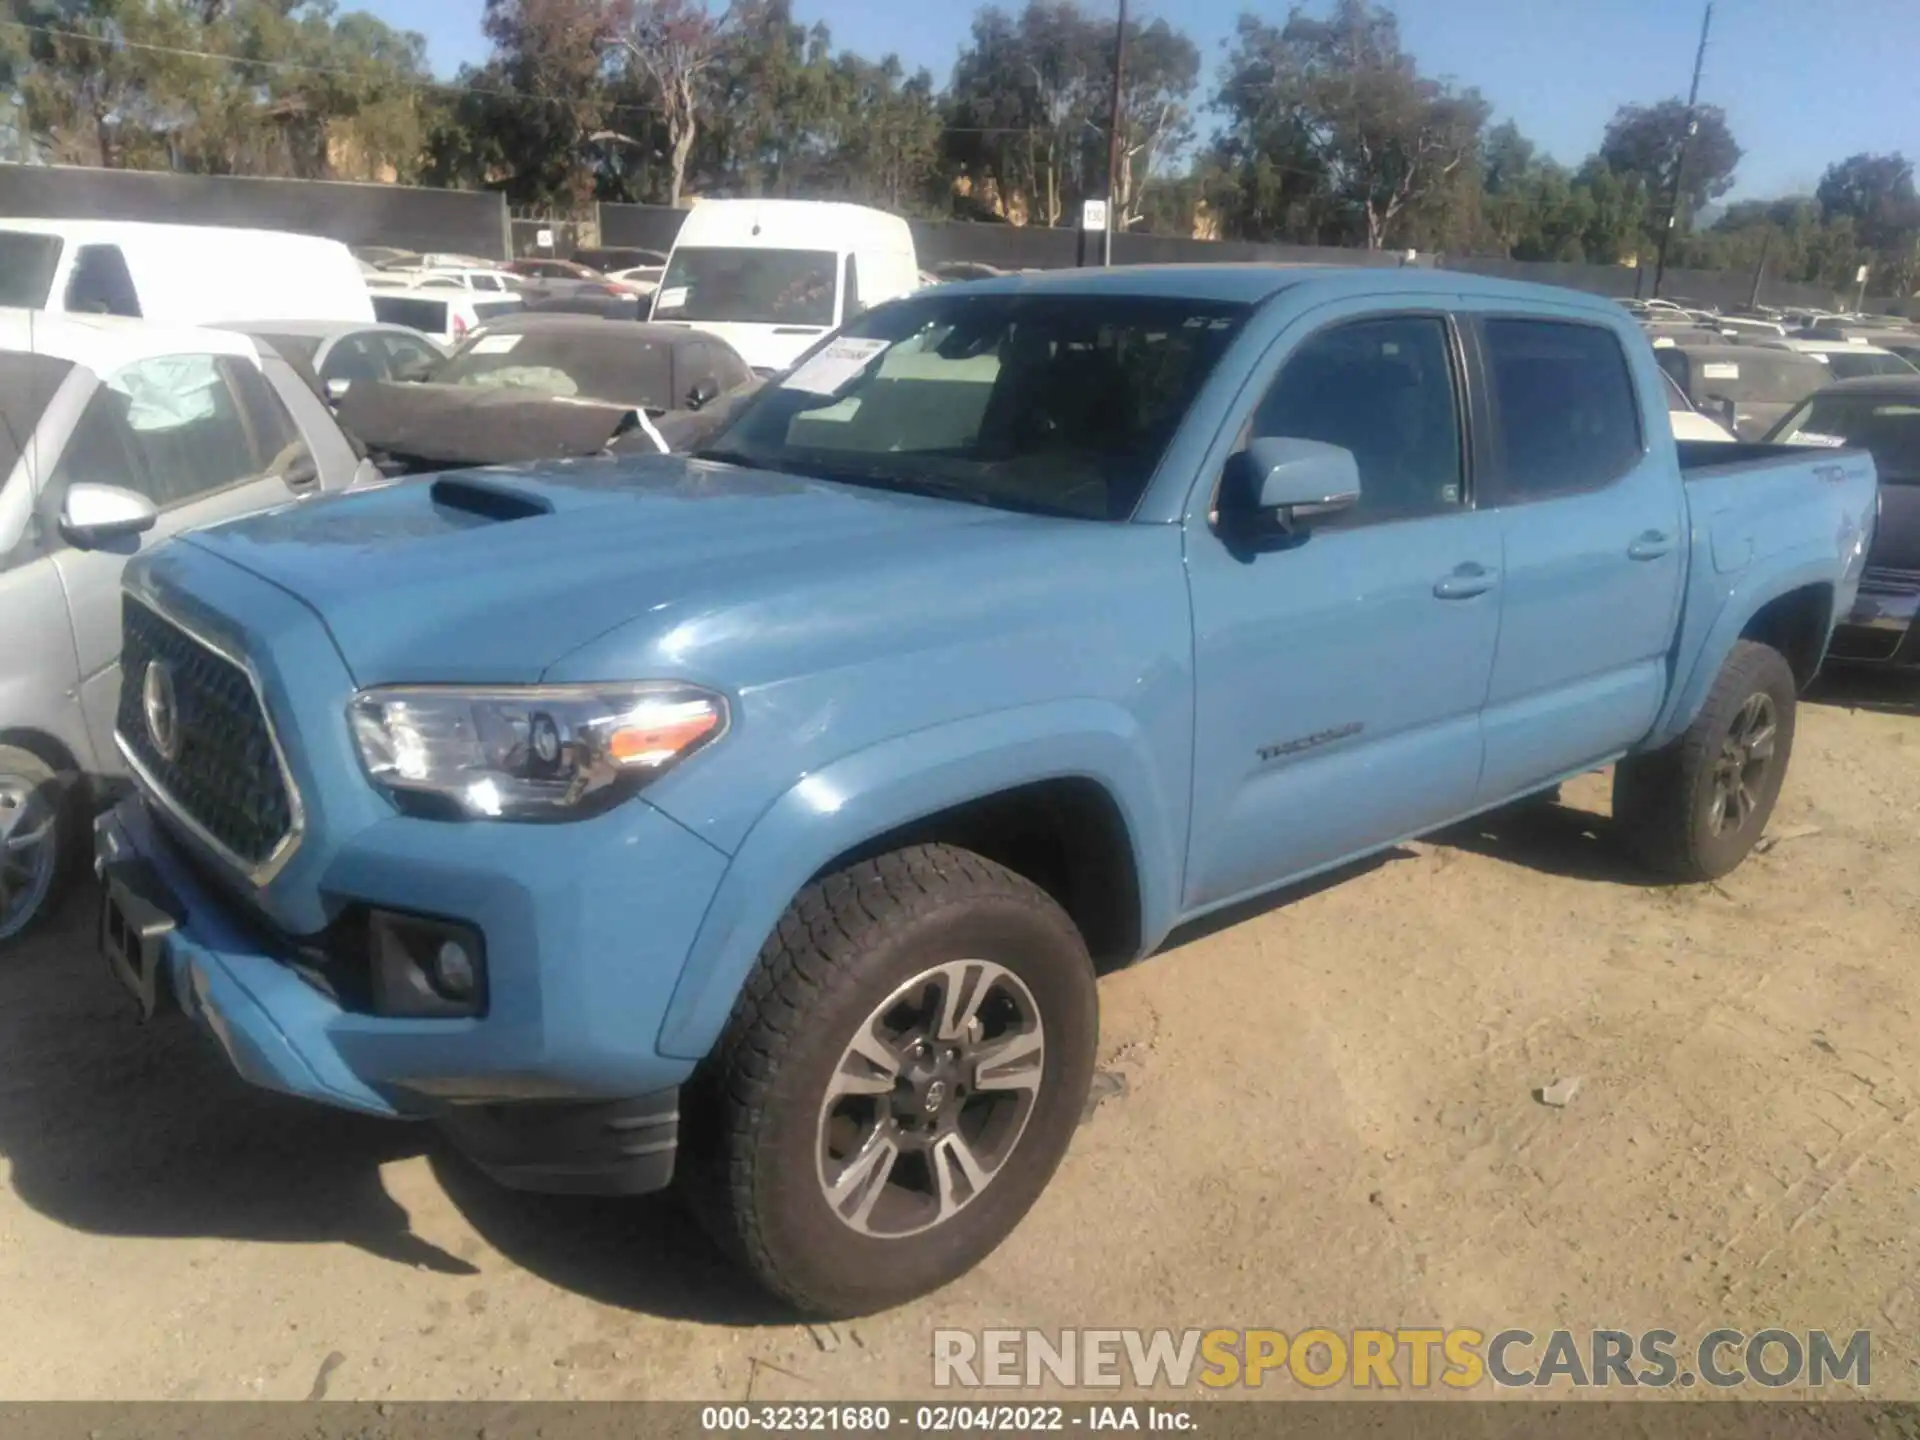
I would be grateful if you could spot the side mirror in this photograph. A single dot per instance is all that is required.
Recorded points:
(704, 392)
(96, 514)
(337, 390)
(1286, 484)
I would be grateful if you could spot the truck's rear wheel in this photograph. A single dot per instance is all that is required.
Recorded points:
(1694, 809)
(899, 1080)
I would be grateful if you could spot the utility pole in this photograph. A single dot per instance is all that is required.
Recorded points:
(1113, 133)
(1680, 160)
(1760, 270)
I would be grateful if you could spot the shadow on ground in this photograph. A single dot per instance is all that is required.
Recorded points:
(1880, 691)
(1553, 839)
(116, 1128)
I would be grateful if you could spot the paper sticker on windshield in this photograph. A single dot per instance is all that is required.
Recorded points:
(1814, 437)
(834, 368)
(672, 298)
(496, 344)
(1720, 372)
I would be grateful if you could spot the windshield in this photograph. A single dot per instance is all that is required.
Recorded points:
(1886, 426)
(1848, 366)
(27, 263)
(1749, 375)
(568, 364)
(1061, 404)
(27, 383)
(762, 287)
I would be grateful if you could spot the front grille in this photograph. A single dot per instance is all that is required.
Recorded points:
(225, 776)
(1887, 580)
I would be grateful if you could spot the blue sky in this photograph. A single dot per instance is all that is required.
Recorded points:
(1804, 82)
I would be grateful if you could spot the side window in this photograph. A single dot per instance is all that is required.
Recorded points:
(1565, 416)
(354, 358)
(850, 286)
(693, 365)
(277, 441)
(187, 429)
(407, 357)
(101, 284)
(1383, 389)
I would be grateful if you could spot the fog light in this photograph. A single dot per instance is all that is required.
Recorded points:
(453, 970)
(425, 968)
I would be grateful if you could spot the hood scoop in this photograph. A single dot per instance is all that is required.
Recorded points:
(468, 495)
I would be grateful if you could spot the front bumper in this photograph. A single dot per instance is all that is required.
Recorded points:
(557, 1086)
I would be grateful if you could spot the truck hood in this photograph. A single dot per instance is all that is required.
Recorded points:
(493, 576)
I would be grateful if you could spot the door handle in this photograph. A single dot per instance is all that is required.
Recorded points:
(1650, 545)
(1465, 582)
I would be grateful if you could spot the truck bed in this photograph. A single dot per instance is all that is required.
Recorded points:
(1701, 458)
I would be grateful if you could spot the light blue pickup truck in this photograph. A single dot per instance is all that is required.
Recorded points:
(758, 821)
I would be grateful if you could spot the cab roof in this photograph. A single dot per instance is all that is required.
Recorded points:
(1253, 284)
(105, 342)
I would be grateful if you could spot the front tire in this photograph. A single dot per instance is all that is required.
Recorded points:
(1694, 809)
(37, 832)
(899, 1080)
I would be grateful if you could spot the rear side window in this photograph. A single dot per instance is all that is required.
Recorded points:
(492, 309)
(1565, 417)
(101, 284)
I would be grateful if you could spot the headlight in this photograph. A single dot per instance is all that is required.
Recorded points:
(548, 752)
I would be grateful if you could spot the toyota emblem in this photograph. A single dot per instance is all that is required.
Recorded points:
(162, 709)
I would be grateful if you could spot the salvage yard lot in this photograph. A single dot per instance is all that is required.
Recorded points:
(1324, 1115)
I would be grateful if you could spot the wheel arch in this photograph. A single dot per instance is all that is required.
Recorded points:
(1018, 785)
(1793, 606)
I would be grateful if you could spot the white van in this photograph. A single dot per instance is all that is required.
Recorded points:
(177, 274)
(770, 277)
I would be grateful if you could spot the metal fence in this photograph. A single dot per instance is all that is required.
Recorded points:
(470, 222)
(477, 223)
(1018, 247)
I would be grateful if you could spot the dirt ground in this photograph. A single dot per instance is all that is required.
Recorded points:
(1324, 1114)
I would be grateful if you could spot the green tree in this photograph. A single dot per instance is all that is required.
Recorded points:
(1644, 143)
(1389, 151)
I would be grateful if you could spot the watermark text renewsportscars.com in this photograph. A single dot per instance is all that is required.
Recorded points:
(1401, 1358)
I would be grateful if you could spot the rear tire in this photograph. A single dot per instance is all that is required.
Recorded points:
(1694, 809)
(39, 827)
(899, 1080)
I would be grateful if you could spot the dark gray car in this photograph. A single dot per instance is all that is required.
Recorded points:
(1880, 414)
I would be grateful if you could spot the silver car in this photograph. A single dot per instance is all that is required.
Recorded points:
(114, 435)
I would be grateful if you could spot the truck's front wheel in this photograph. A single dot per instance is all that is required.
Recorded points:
(899, 1080)
(1694, 809)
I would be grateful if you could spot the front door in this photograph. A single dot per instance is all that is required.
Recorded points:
(1340, 675)
(188, 432)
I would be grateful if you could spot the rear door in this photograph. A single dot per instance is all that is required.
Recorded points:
(1339, 674)
(197, 435)
(1582, 475)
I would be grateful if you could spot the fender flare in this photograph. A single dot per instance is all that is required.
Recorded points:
(894, 783)
(1741, 603)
